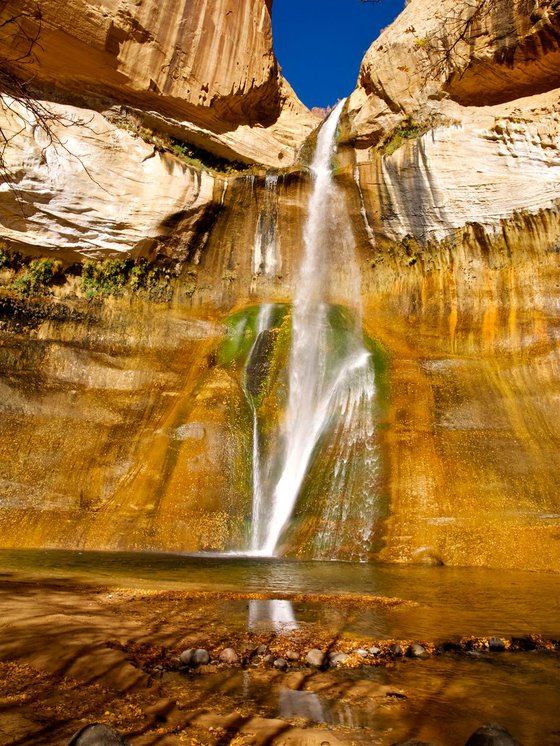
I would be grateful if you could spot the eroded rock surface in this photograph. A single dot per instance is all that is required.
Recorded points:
(209, 65)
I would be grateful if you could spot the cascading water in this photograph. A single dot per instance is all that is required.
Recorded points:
(264, 320)
(326, 384)
(265, 256)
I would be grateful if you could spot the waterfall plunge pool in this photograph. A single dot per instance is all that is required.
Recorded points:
(439, 602)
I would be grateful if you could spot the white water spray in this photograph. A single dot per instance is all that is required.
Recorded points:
(265, 260)
(264, 320)
(317, 391)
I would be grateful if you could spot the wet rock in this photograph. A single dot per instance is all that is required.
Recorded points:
(194, 658)
(97, 734)
(374, 651)
(291, 655)
(492, 734)
(186, 657)
(496, 644)
(396, 650)
(281, 664)
(451, 647)
(228, 655)
(416, 651)
(315, 657)
(261, 650)
(427, 557)
(200, 657)
(338, 659)
(361, 652)
(268, 660)
(523, 643)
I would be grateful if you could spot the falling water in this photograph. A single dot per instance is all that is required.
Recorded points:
(265, 257)
(320, 390)
(264, 320)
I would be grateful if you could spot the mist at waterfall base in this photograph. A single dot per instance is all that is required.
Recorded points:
(319, 453)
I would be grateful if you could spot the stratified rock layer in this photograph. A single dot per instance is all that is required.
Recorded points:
(121, 426)
(208, 66)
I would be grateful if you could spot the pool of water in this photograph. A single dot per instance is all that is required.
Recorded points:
(447, 602)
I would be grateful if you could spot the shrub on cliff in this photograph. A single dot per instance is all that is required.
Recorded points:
(38, 278)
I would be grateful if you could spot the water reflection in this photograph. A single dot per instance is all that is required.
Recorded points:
(449, 601)
(274, 615)
(293, 703)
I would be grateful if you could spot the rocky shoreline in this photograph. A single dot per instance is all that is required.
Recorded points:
(284, 653)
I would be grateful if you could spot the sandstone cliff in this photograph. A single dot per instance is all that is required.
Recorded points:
(124, 422)
(209, 66)
(455, 119)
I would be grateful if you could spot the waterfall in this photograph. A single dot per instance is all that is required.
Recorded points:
(320, 390)
(264, 320)
(265, 256)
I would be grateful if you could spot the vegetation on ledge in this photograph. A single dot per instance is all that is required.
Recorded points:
(91, 279)
(408, 129)
(191, 154)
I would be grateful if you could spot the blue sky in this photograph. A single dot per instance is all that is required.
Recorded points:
(320, 43)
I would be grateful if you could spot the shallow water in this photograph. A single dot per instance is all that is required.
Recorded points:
(448, 602)
(441, 700)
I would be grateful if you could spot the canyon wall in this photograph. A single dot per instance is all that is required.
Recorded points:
(125, 422)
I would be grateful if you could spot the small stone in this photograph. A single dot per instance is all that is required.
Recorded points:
(261, 650)
(268, 660)
(416, 651)
(200, 657)
(374, 651)
(496, 645)
(492, 734)
(523, 643)
(97, 734)
(361, 652)
(315, 657)
(228, 655)
(451, 647)
(291, 655)
(396, 650)
(281, 664)
(186, 657)
(338, 659)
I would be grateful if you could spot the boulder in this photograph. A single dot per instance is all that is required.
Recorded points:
(416, 651)
(492, 734)
(228, 655)
(315, 657)
(194, 658)
(97, 734)
(338, 659)
(496, 644)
